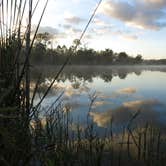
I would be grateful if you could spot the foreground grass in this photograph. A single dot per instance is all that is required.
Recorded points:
(54, 139)
(61, 142)
(24, 141)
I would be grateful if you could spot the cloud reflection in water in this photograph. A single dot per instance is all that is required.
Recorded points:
(123, 114)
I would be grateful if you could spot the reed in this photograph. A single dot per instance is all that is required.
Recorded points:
(26, 138)
(73, 144)
(16, 42)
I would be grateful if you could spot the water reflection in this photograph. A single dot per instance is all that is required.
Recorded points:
(129, 90)
(120, 91)
(124, 113)
(87, 73)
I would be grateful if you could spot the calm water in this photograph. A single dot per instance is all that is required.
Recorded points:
(120, 91)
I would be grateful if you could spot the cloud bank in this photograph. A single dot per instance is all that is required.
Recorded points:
(146, 14)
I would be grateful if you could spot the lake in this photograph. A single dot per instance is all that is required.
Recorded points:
(107, 93)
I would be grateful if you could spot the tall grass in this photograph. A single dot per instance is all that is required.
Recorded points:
(16, 42)
(25, 139)
(64, 142)
(19, 144)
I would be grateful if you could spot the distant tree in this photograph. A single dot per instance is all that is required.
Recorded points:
(44, 38)
(122, 57)
(76, 42)
(38, 53)
(64, 49)
(83, 55)
(138, 59)
(108, 52)
(59, 49)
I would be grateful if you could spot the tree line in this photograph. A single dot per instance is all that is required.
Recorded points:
(43, 54)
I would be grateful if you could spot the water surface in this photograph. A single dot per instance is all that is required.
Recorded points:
(119, 92)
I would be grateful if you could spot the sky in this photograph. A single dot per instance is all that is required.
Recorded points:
(133, 26)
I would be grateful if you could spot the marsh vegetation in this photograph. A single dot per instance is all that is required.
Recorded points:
(32, 133)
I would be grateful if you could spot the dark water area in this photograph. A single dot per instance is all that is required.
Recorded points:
(120, 92)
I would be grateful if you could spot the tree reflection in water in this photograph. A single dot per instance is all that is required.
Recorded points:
(118, 103)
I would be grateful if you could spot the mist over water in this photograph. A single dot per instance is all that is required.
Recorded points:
(120, 92)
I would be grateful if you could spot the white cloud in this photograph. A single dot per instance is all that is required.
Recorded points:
(74, 20)
(51, 30)
(155, 3)
(66, 26)
(99, 103)
(129, 90)
(145, 14)
(70, 18)
(138, 104)
(100, 22)
(126, 35)
(124, 113)
(101, 30)
(106, 30)
(101, 119)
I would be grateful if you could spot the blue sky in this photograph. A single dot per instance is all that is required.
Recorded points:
(134, 26)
